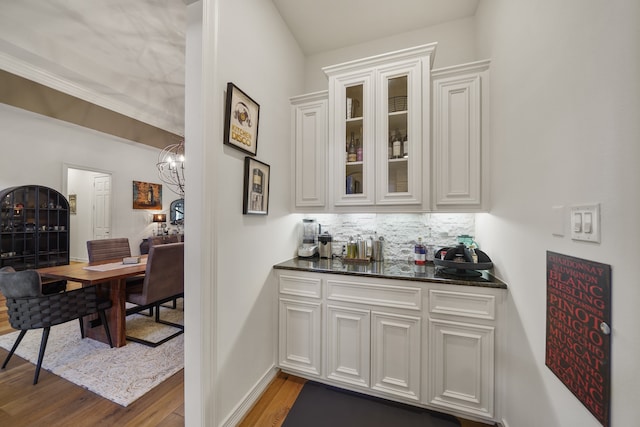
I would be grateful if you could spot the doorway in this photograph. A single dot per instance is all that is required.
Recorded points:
(92, 218)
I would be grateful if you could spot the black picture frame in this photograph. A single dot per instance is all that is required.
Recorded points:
(242, 116)
(257, 177)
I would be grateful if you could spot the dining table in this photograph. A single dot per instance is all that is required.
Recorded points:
(110, 277)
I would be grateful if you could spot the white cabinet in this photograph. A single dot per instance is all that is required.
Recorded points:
(427, 344)
(460, 137)
(374, 103)
(348, 343)
(300, 324)
(300, 331)
(462, 334)
(395, 355)
(461, 366)
(310, 129)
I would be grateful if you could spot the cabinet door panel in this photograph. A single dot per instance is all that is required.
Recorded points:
(348, 345)
(461, 367)
(310, 146)
(395, 355)
(300, 336)
(352, 117)
(399, 116)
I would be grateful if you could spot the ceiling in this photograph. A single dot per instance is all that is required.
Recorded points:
(323, 25)
(134, 60)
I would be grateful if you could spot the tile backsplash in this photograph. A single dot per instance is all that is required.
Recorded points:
(400, 231)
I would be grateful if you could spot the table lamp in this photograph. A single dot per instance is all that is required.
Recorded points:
(160, 219)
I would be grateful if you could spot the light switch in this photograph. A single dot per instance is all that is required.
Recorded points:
(557, 220)
(585, 223)
(577, 222)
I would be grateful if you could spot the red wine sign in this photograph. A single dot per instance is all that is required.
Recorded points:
(578, 318)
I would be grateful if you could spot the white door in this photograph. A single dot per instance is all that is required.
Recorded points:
(102, 207)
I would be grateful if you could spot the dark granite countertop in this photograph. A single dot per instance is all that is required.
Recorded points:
(391, 269)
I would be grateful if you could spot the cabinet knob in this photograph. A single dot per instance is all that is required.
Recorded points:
(605, 328)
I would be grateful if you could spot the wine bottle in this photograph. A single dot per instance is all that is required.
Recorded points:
(397, 145)
(405, 146)
(352, 156)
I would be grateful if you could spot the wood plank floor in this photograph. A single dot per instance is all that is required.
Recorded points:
(55, 401)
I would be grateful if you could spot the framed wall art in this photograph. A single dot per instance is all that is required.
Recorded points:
(256, 187)
(241, 121)
(147, 195)
(73, 204)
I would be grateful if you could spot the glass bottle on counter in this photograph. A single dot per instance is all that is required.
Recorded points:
(420, 253)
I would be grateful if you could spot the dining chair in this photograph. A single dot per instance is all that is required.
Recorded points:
(110, 249)
(163, 240)
(28, 308)
(163, 282)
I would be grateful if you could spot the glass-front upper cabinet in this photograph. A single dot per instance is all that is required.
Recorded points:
(379, 127)
(354, 141)
(402, 134)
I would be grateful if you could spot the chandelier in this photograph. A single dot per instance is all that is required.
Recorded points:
(171, 167)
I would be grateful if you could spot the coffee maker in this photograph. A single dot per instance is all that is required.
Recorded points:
(325, 244)
(309, 238)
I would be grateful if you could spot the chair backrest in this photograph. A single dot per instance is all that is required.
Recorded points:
(106, 249)
(161, 240)
(164, 276)
(19, 284)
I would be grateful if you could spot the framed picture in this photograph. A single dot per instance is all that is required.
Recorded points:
(72, 204)
(256, 187)
(147, 195)
(241, 121)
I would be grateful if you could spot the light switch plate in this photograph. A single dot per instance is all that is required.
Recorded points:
(585, 223)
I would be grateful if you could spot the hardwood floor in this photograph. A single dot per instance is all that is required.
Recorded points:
(274, 404)
(55, 401)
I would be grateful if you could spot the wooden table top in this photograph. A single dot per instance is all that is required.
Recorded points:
(76, 272)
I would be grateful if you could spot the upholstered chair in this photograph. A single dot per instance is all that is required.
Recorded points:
(28, 308)
(163, 281)
(110, 249)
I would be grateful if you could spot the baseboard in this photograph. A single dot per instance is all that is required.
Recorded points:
(503, 423)
(250, 399)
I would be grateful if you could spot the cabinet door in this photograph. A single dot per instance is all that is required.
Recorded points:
(352, 123)
(395, 355)
(459, 126)
(310, 131)
(461, 367)
(348, 345)
(399, 136)
(300, 335)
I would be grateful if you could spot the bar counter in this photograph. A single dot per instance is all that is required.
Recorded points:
(394, 269)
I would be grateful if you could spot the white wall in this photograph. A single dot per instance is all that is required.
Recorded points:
(456, 45)
(35, 148)
(565, 106)
(258, 54)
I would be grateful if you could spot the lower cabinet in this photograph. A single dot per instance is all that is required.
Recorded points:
(426, 344)
(300, 336)
(395, 355)
(461, 366)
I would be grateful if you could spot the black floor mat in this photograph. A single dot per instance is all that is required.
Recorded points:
(319, 405)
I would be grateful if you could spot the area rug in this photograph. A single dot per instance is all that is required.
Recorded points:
(319, 405)
(121, 375)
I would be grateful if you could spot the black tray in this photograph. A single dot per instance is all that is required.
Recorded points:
(462, 268)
